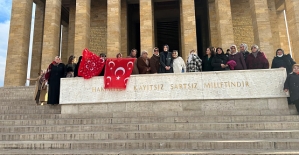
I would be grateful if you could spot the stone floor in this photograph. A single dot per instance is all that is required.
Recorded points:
(26, 128)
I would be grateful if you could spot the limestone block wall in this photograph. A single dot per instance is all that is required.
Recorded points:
(98, 26)
(242, 22)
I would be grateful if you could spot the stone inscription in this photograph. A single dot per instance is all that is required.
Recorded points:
(190, 86)
(98, 37)
(183, 86)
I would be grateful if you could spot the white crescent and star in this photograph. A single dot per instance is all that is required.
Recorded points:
(126, 80)
(129, 64)
(120, 69)
(111, 62)
(108, 77)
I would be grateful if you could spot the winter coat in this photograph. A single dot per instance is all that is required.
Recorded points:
(218, 60)
(142, 66)
(239, 59)
(258, 62)
(166, 61)
(245, 54)
(195, 64)
(207, 63)
(292, 84)
(155, 64)
(285, 61)
(179, 65)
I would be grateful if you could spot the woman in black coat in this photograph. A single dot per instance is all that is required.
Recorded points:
(207, 60)
(219, 61)
(55, 72)
(291, 85)
(283, 61)
(166, 61)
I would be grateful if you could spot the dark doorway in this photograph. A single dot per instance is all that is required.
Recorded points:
(167, 33)
(167, 25)
(133, 28)
(202, 26)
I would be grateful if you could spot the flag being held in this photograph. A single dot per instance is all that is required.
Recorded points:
(91, 65)
(117, 72)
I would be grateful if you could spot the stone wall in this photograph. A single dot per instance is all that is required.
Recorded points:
(98, 26)
(242, 22)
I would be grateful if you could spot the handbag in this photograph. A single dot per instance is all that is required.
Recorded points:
(44, 85)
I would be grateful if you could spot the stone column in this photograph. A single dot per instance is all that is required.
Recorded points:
(18, 43)
(292, 12)
(71, 28)
(261, 27)
(64, 44)
(113, 27)
(146, 26)
(52, 26)
(82, 26)
(124, 28)
(37, 45)
(274, 24)
(213, 23)
(224, 23)
(188, 27)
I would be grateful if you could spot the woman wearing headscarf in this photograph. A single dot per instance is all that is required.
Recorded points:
(55, 72)
(166, 61)
(207, 60)
(291, 85)
(179, 65)
(220, 60)
(238, 58)
(155, 61)
(143, 63)
(256, 59)
(194, 62)
(283, 61)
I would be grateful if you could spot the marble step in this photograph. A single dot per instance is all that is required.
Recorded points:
(175, 116)
(156, 144)
(33, 106)
(149, 152)
(136, 120)
(17, 102)
(33, 111)
(153, 127)
(152, 135)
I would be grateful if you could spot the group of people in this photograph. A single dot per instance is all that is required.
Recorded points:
(170, 62)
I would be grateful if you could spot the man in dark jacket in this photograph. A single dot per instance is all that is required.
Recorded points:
(244, 50)
(166, 60)
(133, 54)
(256, 59)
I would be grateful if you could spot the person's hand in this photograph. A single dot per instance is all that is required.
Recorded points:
(286, 90)
(167, 68)
(223, 65)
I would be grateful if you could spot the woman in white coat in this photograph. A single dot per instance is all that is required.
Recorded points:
(179, 65)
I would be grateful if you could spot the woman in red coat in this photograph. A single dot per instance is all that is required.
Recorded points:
(257, 59)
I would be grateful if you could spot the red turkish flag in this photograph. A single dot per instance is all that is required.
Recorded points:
(91, 65)
(117, 72)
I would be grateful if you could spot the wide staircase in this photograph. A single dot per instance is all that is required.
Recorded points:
(30, 129)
